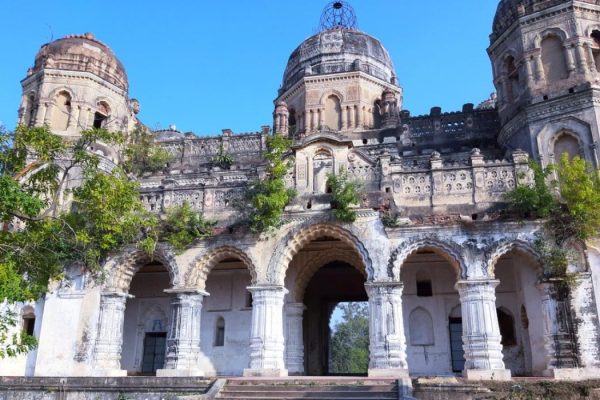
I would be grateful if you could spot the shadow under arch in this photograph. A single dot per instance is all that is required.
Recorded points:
(448, 250)
(202, 265)
(121, 268)
(298, 238)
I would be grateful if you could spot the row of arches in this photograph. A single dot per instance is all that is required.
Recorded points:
(60, 114)
(320, 268)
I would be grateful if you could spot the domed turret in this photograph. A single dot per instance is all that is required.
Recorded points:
(82, 53)
(334, 80)
(77, 83)
(339, 50)
(510, 10)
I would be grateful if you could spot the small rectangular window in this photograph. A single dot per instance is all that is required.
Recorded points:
(424, 289)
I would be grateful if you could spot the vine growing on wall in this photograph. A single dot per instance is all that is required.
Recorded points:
(266, 198)
(345, 194)
(567, 196)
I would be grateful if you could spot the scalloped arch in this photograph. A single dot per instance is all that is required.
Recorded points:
(447, 249)
(297, 239)
(122, 268)
(202, 265)
(506, 247)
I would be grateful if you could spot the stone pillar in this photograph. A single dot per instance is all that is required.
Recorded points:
(294, 346)
(321, 114)
(580, 53)
(183, 342)
(529, 69)
(74, 117)
(351, 115)
(481, 333)
(560, 352)
(570, 59)
(588, 326)
(361, 117)
(591, 61)
(387, 343)
(266, 337)
(107, 351)
(539, 67)
(344, 118)
(313, 120)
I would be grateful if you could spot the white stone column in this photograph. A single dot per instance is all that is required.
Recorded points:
(48, 116)
(344, 118)
(570, 59)
(294, 345)
(313, 120)
(183, 342)
(560, 352)
(539, 67)
(107, 351)
(588, 327)
(591, 60)
(266, 340)
(74, 117)
(40, 115)
(387, 342)
(351, 115)
(481, 333)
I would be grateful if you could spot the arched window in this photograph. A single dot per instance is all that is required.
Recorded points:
(28, 321)
(507, 327)
(101, 116)
(596, 48)
(566, 143)
(333, 113)
(421, 328)
(512, 74)
(553, 59)
(424, 286)
(220, 332)
(62, 112)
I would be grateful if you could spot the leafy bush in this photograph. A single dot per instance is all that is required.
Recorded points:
(266, 198)
(143, 154)
(182, 226)
(223, 159)
(344, 194)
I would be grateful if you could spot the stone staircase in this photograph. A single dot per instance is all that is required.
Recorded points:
(310, 388)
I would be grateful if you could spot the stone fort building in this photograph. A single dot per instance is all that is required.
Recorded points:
(451, 288)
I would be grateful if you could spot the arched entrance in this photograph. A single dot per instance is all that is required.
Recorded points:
(224, 274)
(432, 312)
(146, 321)
(325, 269)
(520, 313)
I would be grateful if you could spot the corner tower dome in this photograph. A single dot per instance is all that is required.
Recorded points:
(509, 11)
(82, 53)
(338, 47)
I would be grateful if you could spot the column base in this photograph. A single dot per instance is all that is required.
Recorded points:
(276, 373)
(487, 374)
(178, 372)
(572, 374)
(109, 372)
(398, 373)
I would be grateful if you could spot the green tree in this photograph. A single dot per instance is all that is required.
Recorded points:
(345, 193)
(58, 208)
(143, 154)
(266, 198)
(349, 344)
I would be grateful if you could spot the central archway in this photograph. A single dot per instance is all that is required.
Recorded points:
(326, 267)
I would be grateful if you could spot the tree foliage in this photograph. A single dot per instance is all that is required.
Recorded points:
(59, 208)
(143, 154)
(345, 193)
(570, 205)
(349, 342)
(266, 198)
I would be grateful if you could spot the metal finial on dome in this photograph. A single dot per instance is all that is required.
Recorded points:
(338, 15)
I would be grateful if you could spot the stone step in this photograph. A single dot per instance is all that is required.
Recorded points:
(329, 389)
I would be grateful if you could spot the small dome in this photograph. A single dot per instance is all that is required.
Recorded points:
(338, 50)
(82, 53)
(509, 11)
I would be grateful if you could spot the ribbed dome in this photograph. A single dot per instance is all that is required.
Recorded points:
(338, 50)
(82, 53)
(510, 10)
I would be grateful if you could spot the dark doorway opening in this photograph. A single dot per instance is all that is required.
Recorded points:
(456, 345)
(154, 352)
(334, 283)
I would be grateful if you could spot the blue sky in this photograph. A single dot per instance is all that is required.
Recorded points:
(208, 65)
